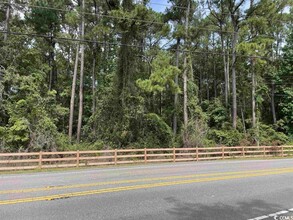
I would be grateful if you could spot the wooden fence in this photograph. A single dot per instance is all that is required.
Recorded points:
(45, 160)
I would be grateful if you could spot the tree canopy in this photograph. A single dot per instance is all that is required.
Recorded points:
(78, 74)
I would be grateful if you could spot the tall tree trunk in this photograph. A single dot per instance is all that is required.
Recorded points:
(185, 95)
(200, 86)
(214, 70)
(226, 73)
(185, 78)
(253, 96)
(273, 104)
(94, 81)
(72, 99)
(208, 85)
(235, 19)
(80, 111)
(206, 74)
(254, 107)
(243, 119)
(253, 78)
(7, 19)
(94, 91)
(175, 121)
(215, 78)
(94, 86)
(52, 64)
(234, 89)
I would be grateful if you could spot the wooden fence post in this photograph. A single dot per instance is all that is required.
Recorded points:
(174, 154)
(40, 159)
(77, 158)
(43, 159)
(223, 153)
(115, 157)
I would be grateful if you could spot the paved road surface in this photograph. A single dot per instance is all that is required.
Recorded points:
(228, 190)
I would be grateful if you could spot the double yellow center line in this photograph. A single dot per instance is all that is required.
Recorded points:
(190, 179)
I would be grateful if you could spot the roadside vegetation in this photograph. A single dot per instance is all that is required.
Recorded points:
(101, 74)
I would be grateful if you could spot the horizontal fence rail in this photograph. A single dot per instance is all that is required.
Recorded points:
(45, 160)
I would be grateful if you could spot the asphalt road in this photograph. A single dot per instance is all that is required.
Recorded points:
(228, 190)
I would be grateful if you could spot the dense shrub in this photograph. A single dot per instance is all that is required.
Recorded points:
(226, 137)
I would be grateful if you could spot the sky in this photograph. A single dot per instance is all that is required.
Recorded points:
(158, 5)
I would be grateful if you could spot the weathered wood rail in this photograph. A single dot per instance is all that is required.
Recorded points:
(45, 160)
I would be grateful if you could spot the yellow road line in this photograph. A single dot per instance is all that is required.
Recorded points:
(133, 181)
(48, 188)
(135, 187)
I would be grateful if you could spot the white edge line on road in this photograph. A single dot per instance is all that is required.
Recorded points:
(261, 217)
(282, 212)
(272, 215)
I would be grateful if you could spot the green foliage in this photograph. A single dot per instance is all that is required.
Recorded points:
(159, 129)
(19, 131)
(196, 133)
(65, 145)
(226, 137)
(155, 133)
(266, 136)
(71, 18)
(216, 112)
(45, 20)
(286, 72)
(32, 111)
(134, 57)
(162, 76)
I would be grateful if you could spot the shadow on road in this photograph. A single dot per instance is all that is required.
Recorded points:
(239, 211)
